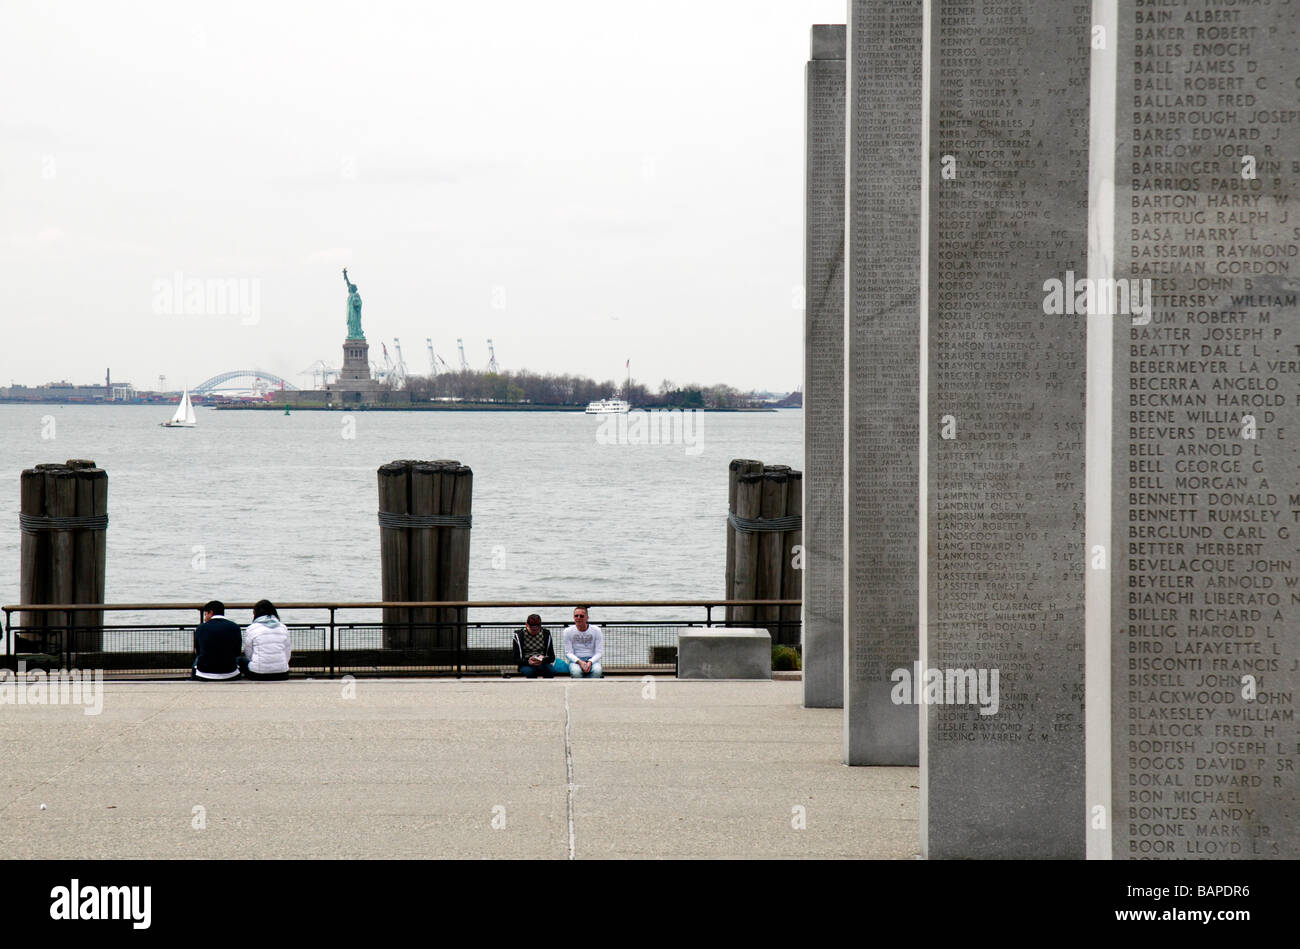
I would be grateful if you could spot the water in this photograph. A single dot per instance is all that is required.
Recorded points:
(256, 504)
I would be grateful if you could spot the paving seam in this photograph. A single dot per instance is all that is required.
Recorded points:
(568, 767)
(104, 744)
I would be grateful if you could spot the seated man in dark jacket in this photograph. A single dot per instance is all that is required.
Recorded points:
(534, 651)
(217, 645)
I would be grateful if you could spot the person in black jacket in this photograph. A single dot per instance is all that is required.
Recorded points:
(534, 651)
(217, 645)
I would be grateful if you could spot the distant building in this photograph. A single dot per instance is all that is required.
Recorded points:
(65, 391)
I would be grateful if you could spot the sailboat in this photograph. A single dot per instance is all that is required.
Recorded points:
(184, 417)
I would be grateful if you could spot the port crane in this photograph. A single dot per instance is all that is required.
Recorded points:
(322, 374)
(399, 371)
(492, 359)
(382, 373)
(464, 363)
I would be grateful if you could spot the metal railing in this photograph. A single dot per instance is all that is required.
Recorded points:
(335, 639)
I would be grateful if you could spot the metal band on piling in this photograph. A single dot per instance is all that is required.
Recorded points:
(402, 521)
(32, 523)
(765, 525)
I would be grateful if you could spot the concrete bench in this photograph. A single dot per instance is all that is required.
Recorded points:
(724, 654)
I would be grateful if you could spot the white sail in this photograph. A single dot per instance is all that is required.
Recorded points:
(184, 417)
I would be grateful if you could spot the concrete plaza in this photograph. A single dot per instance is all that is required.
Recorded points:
(382, 768)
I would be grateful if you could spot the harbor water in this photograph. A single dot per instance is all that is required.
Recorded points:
(252, 504)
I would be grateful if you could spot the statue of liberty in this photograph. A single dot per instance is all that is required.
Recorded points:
(354, 309)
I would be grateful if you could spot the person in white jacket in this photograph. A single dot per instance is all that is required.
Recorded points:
(266, 645)
(583, 646)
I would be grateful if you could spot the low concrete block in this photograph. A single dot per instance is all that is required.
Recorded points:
(724, 654)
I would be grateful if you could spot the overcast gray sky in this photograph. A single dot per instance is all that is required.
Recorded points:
(584, 182)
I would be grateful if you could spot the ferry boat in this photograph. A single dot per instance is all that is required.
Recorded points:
(613, 406)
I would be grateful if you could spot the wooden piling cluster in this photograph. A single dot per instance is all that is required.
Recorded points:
(63, 548)
(424, 517)
(761, 560)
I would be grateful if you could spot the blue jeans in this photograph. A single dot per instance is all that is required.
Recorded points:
(596, 672)
(546, 670)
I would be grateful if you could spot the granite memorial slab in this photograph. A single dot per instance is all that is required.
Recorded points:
(1201, 248)
(823, 376)
(1002, 630)
(881, 377)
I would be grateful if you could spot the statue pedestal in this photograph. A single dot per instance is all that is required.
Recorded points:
(354, 384)
(356, 364)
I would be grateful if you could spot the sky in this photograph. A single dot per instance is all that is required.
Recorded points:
(585, 183)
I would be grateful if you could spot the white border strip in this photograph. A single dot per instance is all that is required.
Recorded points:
(1097, 498)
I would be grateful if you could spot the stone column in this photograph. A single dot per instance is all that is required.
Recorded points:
(882, 268)
(823, 375)
(1002, 754)
(1194, 749)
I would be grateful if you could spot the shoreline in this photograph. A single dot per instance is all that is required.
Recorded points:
(436, 407)
(454, 407)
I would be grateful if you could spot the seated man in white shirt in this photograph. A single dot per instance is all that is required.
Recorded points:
(583, 646)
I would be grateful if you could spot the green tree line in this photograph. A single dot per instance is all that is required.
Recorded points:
(471, 385)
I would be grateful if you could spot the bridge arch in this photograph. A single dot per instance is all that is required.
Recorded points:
(210, 385)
